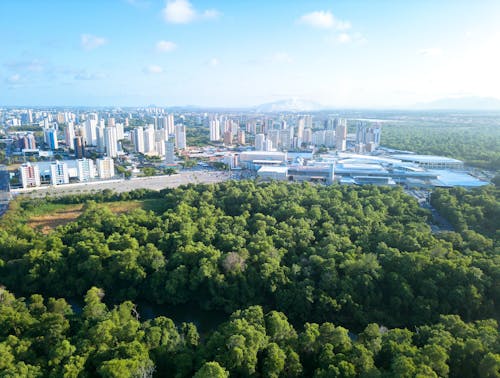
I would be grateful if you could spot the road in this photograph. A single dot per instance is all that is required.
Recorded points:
(153, 182)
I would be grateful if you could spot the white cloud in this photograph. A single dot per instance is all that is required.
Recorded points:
(90, 42)
(13, 79)
(84, 75)
(433, 51)
(153, 69)
(165, 46)
(281, 58)
(211, 14)
(213, 62)
(183, 12)
(324, 20)
(344, 38)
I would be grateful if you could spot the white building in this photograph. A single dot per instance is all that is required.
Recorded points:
(69, 135)
(29, 175)
(91, 130)
(85, 169)
(105, 168)
(111, 141)
(260, 140)
(59, 173)
(214, 130)
(138, 139)
(180, 136)
(341, 134)
(149, 140)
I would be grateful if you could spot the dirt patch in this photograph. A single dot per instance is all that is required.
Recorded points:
(47, 222)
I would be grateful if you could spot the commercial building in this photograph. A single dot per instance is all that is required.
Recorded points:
(431, 161)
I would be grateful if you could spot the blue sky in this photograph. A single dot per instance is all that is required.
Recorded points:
(346, 53)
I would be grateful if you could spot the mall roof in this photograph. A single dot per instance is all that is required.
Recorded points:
(426, 158)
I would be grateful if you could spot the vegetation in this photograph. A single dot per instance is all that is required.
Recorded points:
(296, 266)
(476, 144)
(197, 136)
(470, 212)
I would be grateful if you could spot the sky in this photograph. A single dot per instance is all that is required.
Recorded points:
(345, 53)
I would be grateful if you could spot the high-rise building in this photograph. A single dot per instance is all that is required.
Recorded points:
(340, 134)
(318, 138)
(29, 175)
(59, 173)
(330, 138)
(51, 138)
(111, 122)
(111, 141)
(180, 136)
(85, 169)
(169, 152)
(27, 142)
(286, 137)
(170, 124)
(259, 142)
(214, 130)
(149, 139)
(307, 136)
(228, 138)
(79, 147)
(138, 139)
(241, 137)
(120, 133)
(367, 133)
(69, 135)
(91, 130)
(105, 168)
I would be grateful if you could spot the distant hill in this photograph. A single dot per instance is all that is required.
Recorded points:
(462, 103)
(289, 105)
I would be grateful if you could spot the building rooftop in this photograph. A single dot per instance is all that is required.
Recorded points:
(426, 158)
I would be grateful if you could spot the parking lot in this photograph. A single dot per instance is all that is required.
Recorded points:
(153, 182)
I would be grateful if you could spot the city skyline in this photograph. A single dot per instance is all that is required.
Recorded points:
(240, 54)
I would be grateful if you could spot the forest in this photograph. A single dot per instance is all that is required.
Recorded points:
(476, 142)
(336, 281)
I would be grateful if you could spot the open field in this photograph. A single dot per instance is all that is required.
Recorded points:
(46, 218)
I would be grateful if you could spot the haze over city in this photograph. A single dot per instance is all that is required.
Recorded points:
(351, 54)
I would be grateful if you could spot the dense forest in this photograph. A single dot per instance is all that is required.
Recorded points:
(477, 145)
(296, 265)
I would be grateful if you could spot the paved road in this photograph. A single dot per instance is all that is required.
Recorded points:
(154, 183)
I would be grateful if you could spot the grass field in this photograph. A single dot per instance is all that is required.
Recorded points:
(48, 216)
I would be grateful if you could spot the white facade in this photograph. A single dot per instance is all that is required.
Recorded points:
(149, 140)
(260, 140)
(180, 136)
(85, 169)
(214, 130)
(91, 131)
(105, 168)
(69, 135)
(59, 173)
(138, 139)
(111, 141)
